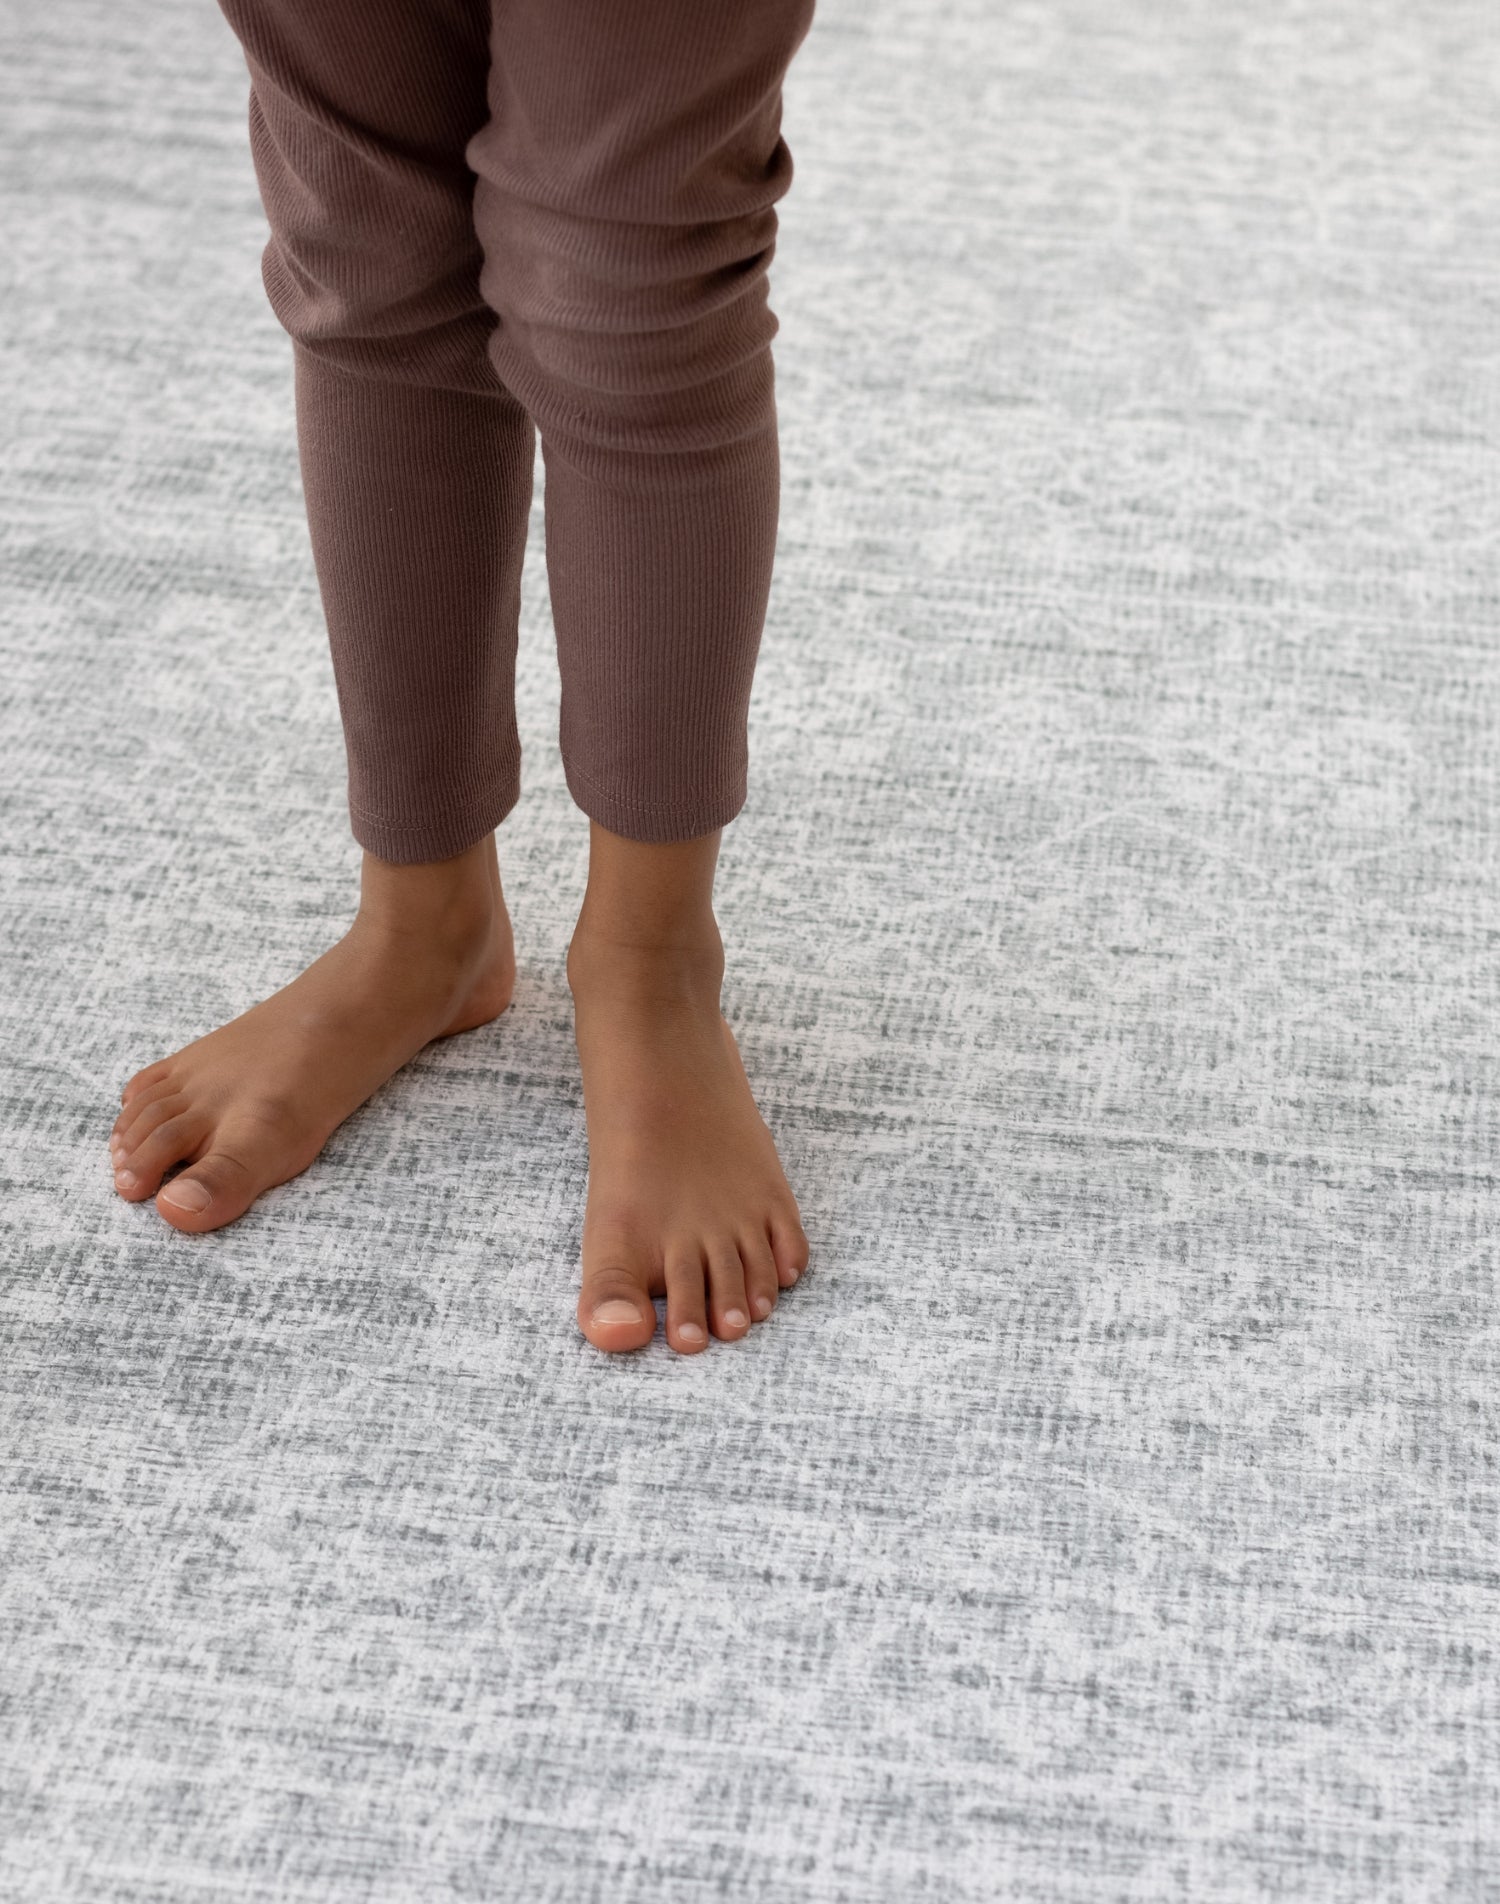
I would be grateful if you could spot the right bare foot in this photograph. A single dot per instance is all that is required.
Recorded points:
(430, 953)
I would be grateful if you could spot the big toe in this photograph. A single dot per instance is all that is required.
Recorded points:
(615, 1310)
(208, 1194)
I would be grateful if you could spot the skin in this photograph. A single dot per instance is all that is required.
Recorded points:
(686, 1194)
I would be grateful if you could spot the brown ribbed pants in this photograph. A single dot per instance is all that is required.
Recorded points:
(496, 218)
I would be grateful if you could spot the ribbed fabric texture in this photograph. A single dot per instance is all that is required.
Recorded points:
(497, 219)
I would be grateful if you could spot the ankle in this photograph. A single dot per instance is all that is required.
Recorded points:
(448, 903)
(603, 957)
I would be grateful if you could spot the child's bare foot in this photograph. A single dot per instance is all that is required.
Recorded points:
(251, 1104)
(686, 1193)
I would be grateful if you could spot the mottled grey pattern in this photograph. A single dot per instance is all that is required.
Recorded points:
(1111, 1515)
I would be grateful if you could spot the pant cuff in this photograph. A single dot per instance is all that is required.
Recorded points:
(442, 836)
(652, 823)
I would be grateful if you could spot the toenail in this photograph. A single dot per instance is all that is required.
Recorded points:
(689, 1332)
(126, 1179)
(735, 1318)
(188, 1194)
(617, 1309)
(763, 1305)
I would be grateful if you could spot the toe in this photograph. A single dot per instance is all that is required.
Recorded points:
(138, 1172)
(209, 1193)
(687, 1310)
(760, 1273)
(614, 1307)
(789, 1246)
(143, 1080)
(728, 1305)
(141, 1117)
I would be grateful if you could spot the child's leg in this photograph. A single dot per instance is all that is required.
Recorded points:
(417, 465)
(627, 181)
(416, 460)
(628, 176)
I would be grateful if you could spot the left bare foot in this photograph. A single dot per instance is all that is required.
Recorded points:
(686, 1193)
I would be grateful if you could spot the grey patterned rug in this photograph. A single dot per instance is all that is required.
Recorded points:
(1112, 1512)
